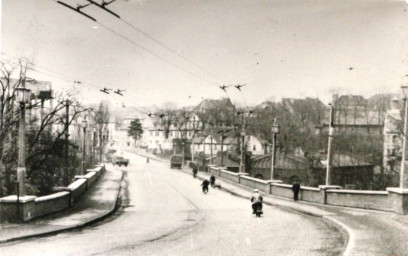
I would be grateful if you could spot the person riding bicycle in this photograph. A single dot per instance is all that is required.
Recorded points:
(256, 200)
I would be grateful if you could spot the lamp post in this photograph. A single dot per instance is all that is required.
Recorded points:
(93, 157)
(404, 138)
(275, 131)
(84, 126)
(242, 165)
(23, 97)
(329, 146)
(182, 151)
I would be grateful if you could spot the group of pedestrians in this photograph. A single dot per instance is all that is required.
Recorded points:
(206, 183)
(256, 198)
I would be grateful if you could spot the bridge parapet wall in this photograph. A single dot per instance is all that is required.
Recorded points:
(394, 199)
(13, 209)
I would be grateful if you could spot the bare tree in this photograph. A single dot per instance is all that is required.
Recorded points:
(101, 119)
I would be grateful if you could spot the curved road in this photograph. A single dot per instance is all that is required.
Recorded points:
(165, 213)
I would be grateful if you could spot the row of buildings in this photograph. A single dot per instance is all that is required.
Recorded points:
(201, 139)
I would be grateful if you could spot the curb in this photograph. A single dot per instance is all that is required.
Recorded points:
(70, 228)
(347, 230)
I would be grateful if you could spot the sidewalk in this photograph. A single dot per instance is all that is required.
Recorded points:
(95, 204)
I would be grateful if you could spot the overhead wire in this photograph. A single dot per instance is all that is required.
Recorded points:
(170, 49)
(156, 55)
(149, 51)
(142, 47)
(51, 73)
(56, 75)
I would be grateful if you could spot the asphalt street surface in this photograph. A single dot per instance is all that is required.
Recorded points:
(165, 213)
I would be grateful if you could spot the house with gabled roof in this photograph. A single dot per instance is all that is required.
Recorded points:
(347, 171)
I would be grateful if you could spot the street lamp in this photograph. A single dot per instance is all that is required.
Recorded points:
(275, 131)
(329, 146)
(23, 97)
(93, 157)
(404, 138)
(242, 165)
(84, 126)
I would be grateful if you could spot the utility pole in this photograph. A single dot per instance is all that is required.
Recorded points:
(66, 148)
(243, 132)
(211, 147)
(182, 151)
(275, 131)
(222, 147)
(192, 139)
(84, 126)
(404, 139)
(101, 140)
(204, 153)
(242, 165)
(329, 148)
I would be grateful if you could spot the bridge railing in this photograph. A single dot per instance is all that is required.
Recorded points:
(394, 199)
(30, 207)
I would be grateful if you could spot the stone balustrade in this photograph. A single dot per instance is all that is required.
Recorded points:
(394, 199)
(13, 209)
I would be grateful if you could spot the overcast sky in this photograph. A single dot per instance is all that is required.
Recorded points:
(278, 48)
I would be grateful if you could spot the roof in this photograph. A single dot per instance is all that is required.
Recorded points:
(227, 160)
(198, 140)
(354, 110)
(282, 160)
(211, 103)
(230, 141)
(290, 161)
(342, 160)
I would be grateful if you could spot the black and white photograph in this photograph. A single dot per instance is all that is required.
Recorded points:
(203, 127)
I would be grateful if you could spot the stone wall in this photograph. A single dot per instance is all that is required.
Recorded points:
(13, 209)
(394, 199)
(377, 200)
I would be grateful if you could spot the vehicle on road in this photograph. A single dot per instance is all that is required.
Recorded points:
(176, 161)
(256, 200)
(258, 209)
(120, 160)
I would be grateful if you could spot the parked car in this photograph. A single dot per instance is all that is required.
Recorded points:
(120, 160)
(176, 161)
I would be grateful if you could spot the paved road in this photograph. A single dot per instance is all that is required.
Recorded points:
(167, 214)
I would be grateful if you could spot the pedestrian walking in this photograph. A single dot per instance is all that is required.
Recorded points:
(205, 186)
(296, 189)
(212, 180)
(147, 160)
(195, 172)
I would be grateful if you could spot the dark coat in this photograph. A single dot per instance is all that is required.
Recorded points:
(296, 187)
(205, 183)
